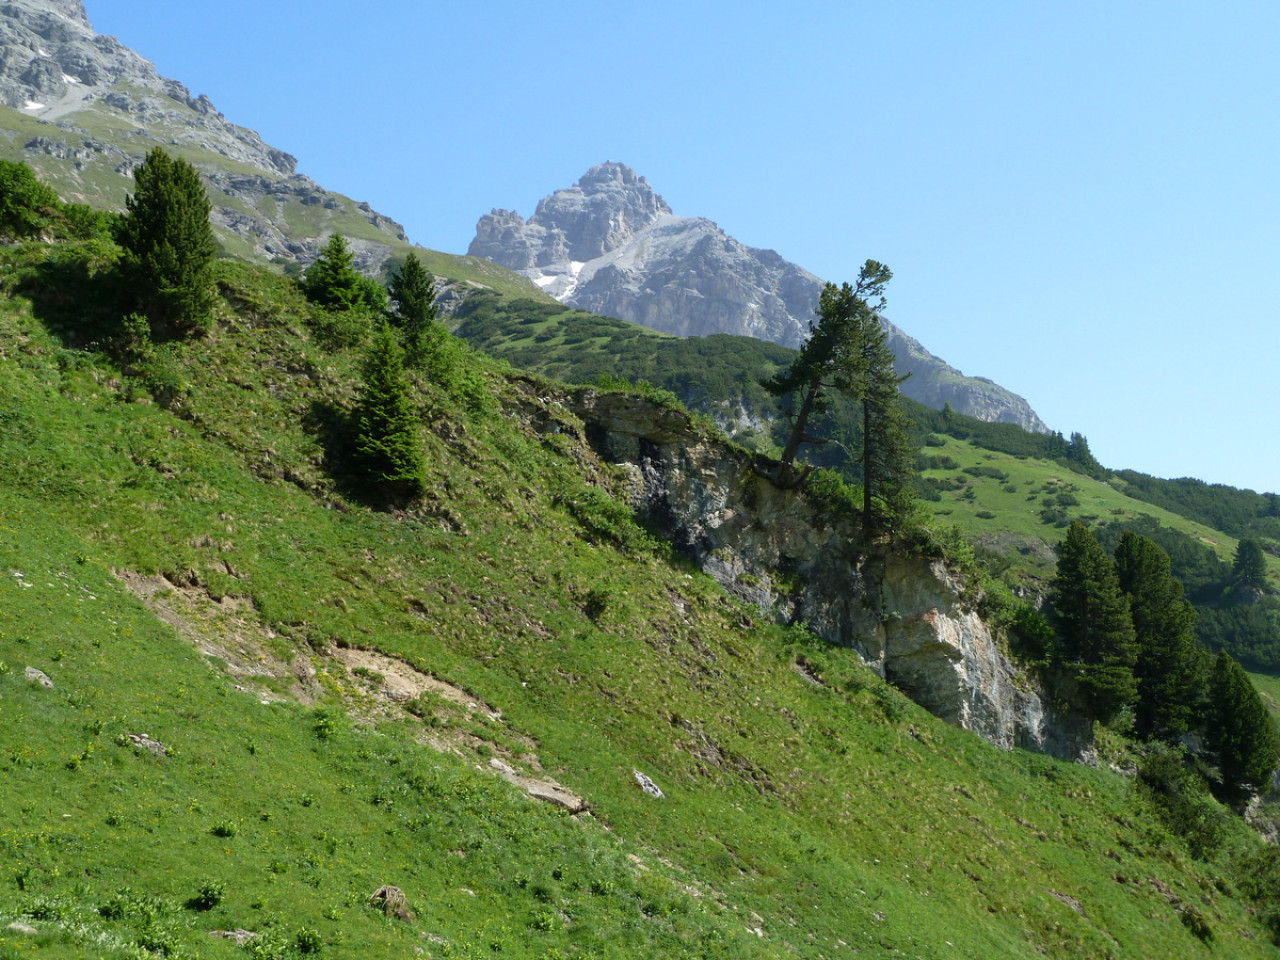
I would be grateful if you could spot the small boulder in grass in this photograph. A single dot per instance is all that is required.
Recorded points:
(239, 936)
(38, 677)
(648, 786)
(149, 744)
(392, 901)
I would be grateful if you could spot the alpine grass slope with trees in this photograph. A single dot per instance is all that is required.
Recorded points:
(310, 608)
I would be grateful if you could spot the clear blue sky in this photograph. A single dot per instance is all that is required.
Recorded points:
(1079, 200)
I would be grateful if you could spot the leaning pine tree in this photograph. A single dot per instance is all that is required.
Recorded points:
(387, 448)
(168, 243)
(848, 352)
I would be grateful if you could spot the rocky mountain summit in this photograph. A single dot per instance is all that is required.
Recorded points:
(83, 110)
(611, 245)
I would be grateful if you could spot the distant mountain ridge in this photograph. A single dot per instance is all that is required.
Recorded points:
(611, 245)
(83, 110)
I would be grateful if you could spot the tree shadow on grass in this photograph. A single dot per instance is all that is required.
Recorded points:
(334, 428)
(75, 292)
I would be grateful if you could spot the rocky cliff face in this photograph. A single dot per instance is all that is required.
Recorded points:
(55, 69)
(909, 617)
(611, 245)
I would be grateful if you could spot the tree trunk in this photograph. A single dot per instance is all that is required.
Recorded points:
(785, 474)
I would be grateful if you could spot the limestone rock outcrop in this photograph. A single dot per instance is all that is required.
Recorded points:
(909, 617)
(611, 245)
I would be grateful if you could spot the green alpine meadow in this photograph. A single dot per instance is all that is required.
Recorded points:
(359, 600)
(314, 647)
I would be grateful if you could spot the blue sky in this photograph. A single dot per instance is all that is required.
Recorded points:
(1078, 200)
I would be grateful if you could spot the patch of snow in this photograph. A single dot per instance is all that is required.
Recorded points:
(42, 51)
(545, 280)
(32, 105)
(68, 78)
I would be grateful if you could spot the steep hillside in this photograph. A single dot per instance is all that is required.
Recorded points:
(610, 245)
(1011, 492)
(83, 110)
(255, 700)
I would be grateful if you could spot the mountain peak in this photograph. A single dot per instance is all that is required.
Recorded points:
(611, 245)
(612, 172)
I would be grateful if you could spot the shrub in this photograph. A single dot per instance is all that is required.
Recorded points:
(209, 894)
(1181, 800)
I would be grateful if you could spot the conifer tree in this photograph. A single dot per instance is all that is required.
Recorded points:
(387, 447)
(413, 290)
(1250, 565)
(1241, 731)
(1094, 623)
(848, 351)
(333, 282)
(1078, 452)
(888, 457)
(168, 243)
(27, 205)
(1171, 664)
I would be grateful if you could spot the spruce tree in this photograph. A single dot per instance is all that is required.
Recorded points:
(387, 448)
(1241, 731)
(1250, 565)
(413, 290)
(168, 243)
(333, 282)
(1170, 667)
(888, 457)
(1094, 623)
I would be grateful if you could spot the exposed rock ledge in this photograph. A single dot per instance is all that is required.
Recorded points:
(908, 616)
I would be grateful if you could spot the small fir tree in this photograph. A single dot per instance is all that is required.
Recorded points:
(413, 290)
(333, 282)
(1241, 731)
(1094, 623)
(387, 447)
(168, 243)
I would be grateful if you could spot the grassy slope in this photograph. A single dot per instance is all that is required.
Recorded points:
(97, 183)
(832, 818)
(1017, 510)
(578, 346)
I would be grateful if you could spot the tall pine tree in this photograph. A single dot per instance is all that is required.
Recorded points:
(168, 243)
(848, 351)
(1094, 624)
(1171, 665)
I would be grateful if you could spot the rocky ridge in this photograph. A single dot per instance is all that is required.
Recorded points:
(909, 617)
(611, 245)
(100, 107)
